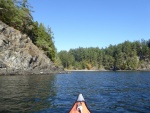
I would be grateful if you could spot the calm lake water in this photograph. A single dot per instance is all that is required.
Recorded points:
(104, 92)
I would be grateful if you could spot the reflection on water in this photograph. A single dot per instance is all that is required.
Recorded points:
(104, 92)
(26, 93)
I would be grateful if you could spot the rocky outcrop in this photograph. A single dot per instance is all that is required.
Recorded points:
(19, 54)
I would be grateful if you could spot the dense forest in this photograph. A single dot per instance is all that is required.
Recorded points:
(18, 14)
(124, 56)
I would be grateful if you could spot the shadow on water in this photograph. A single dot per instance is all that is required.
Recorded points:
(26, 93)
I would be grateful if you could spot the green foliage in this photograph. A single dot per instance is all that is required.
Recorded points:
(17, 13)
(58, 61)
(66, 58)
(44, 41)
(125, 56)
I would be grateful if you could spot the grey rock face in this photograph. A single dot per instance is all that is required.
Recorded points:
(17, 52)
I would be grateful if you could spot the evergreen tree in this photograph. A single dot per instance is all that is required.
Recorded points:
(124, 56)
(17, 14)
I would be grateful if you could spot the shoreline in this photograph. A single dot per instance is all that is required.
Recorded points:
(3, 72)
(86, 70)
(10, 72)
(103, 70)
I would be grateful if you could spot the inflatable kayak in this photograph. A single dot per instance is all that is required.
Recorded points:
(80, 106)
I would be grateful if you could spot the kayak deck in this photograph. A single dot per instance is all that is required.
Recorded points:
(80, 106)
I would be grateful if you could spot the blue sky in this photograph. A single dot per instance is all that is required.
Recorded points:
(93, 23)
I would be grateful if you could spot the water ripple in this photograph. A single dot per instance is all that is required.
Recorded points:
(103, 91)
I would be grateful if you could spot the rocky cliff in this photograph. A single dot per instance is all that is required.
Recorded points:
(19, 55)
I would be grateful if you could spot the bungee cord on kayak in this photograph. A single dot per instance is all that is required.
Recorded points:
(80, 106)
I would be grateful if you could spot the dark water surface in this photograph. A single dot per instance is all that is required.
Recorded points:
(104, 92)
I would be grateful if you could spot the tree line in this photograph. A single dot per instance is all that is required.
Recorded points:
(18, 14)
(125, 56)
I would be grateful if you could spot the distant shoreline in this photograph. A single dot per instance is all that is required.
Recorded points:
(102, 70)
(87, 70)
